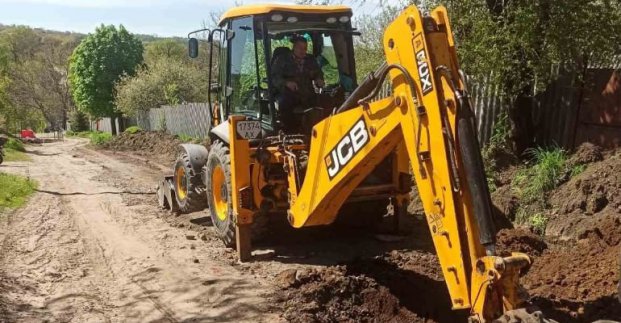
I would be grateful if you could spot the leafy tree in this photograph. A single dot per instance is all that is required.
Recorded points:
(79, 121)
(165, 82)
(36, 73)
(99, 61)
(522, 46)
(166, 48)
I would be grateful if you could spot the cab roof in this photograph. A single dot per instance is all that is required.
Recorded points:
(260, 9)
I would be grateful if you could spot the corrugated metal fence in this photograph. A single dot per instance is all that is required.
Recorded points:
(185, 119)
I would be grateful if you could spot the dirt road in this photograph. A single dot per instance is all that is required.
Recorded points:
(91, 247)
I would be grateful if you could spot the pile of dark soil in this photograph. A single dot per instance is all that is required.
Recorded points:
(401, 286)
(519, 240)
(157, 145)
(575, 278)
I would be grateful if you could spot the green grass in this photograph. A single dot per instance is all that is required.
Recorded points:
(15, 190)
(12, 155)
(100, 138)
(14, 144)
(187, 138)
(577, 169)
(547, 169)
(133, 129)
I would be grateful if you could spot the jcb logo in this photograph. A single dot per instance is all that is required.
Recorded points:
(423, 72)
(347, 148)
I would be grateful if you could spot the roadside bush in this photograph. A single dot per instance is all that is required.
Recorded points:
(69, 133)
(133, 129)
(100, 138)
(15, 190)
(79, 121)
(14, 144)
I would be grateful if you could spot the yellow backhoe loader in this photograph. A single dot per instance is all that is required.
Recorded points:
(352, 147)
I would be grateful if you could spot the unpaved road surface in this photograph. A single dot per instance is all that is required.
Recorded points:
(91, 247)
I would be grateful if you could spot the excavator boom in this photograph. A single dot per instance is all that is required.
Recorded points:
(428, 121)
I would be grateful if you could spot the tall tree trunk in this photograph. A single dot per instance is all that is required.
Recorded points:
(113, 125)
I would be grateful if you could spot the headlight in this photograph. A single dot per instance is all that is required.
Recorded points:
(277, 17)
(331, 20)
(344, 19)
(292, 19)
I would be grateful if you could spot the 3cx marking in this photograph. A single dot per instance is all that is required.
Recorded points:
(356, 138)
(423, 72)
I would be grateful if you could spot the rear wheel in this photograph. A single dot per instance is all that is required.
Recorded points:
(218, 186)
(186, 182)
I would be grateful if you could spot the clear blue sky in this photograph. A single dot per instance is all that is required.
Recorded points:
(153, 17)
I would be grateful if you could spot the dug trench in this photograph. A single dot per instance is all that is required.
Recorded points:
(336, 274)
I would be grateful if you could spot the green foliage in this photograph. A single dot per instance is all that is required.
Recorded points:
(15, 155)
(168, 49)
(532, 217)
(33, 74)
(188, 139)
(518, 42)
(79, 121)
(100, 138)
(133, 129)
(577, 170)
(14, 144)
(15, 190)
(549, 165)
(539, 221)
(369, 49)
(99, 61)
(164, 82)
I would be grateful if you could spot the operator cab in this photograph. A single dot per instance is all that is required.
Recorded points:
(242, 52)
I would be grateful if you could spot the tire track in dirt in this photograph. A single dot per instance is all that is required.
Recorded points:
(79, 252)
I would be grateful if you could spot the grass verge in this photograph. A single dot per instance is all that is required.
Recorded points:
(12, 155)
(100, 138)
(15, 190)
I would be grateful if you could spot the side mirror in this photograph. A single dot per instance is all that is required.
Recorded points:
(193, 47)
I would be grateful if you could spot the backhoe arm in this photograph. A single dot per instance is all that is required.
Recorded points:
(429, 119)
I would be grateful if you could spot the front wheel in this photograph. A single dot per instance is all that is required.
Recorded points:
(217, 181)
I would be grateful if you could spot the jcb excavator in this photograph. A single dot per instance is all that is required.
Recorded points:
(355, 147)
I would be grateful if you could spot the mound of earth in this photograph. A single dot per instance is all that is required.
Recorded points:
(577, 283)
(575, 279)
(587, 201)
(330, 295)
(587, 153)
(519, 240)
(401, 286)
(159, 145)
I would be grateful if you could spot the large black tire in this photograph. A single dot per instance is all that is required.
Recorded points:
(187, 185)
(217, 179)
